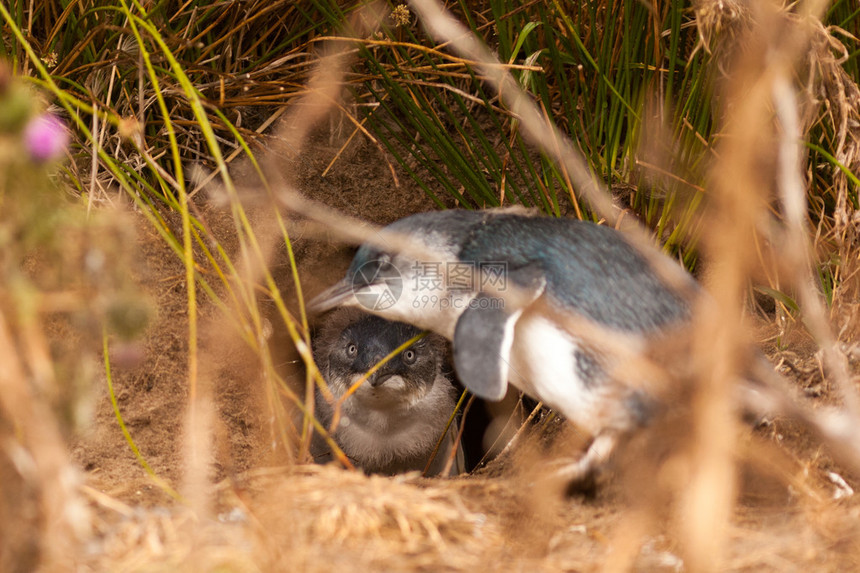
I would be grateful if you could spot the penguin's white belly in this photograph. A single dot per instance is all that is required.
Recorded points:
(543, 365)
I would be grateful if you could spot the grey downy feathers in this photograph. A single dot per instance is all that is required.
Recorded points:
(392, 423)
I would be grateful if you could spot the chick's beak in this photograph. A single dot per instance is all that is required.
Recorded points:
(340, 293)
(378, 379)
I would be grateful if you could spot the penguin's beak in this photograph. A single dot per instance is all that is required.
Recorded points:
(340, 293)
(379, 378)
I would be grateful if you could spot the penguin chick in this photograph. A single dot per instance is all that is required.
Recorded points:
(392, 423)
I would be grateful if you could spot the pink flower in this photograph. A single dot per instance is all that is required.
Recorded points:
(46, 137)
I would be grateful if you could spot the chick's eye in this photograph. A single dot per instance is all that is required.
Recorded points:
(352, 349)
(409, 356)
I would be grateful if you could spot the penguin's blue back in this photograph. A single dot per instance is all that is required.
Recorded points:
(589, 268)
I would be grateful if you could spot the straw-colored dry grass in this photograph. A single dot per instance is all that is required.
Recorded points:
(215, 416)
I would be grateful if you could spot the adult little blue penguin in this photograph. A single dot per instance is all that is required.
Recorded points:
(556, 268)
(393, 422)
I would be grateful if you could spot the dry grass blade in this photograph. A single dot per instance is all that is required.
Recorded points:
(45, 514)
(542, 133)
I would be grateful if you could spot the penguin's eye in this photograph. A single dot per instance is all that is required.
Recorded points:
(352, 349)
(409, 356)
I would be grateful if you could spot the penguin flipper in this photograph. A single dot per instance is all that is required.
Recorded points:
(484, 334)
(482, 346)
